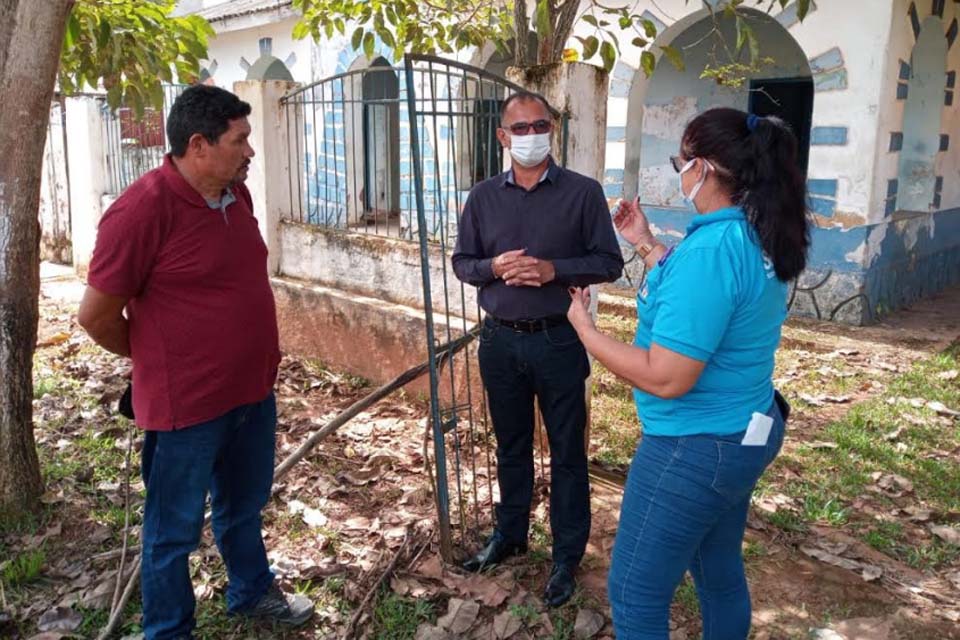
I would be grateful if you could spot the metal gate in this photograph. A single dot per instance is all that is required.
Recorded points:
(454, 112)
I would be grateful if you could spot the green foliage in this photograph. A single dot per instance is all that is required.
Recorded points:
(407, 25)
(23, 568)
(396, 618)
(131, 48)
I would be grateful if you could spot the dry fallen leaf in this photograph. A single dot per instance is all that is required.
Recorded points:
(460, 616)
(63, 619)
(950, 535)
(588, 624)
(505, 625)
(427, 631)
(942, 409)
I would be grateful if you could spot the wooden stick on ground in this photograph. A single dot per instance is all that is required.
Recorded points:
(444, 354)
(348, 631)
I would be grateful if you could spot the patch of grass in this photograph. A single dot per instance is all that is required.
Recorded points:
(93, 621)
(539, 536)
(526, 613)
(24, 568)
(817, 508)
(933, 554)
(753, 549)
(686, 598)
(562, 628)
(44, 385)
(884, 537)
(397, 618)
(787, 520)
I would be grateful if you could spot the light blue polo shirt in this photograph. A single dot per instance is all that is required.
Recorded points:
(714, 298)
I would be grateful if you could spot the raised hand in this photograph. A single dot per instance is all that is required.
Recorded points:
(632, 223)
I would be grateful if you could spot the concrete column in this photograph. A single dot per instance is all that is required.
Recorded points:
(578, 90)
(88, 176)
(269, 178)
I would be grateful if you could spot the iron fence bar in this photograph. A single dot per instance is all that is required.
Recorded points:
(439, 209)
(455, 191)
(443, 498)
(325, 199)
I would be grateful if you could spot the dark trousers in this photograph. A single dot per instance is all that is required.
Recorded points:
(551, 366)
(230, 457)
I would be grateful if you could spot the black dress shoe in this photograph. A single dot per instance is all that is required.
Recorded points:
(560, 587)
(496, 551)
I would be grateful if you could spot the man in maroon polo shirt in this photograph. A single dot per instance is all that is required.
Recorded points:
(181, 252)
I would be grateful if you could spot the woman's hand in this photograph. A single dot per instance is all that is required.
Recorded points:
(632, 223)
(579, 312)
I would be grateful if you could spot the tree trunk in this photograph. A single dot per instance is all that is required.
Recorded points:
(521, 26)
(563, 27)
(31, 36)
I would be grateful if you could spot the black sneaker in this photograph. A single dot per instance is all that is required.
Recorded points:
(276, 606)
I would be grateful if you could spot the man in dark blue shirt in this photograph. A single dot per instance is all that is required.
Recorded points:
(525, 236)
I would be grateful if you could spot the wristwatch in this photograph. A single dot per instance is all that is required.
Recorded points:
(644, 249)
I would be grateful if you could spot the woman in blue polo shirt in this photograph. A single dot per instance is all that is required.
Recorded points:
(701, 365)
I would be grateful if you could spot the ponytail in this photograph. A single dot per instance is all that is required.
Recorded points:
(757, 163)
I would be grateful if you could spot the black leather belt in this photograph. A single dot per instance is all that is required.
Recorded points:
(531, 325)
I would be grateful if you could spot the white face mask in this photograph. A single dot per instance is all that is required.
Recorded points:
(530, 150)
(696, 187)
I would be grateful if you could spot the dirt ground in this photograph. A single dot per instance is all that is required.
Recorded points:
(362, 501)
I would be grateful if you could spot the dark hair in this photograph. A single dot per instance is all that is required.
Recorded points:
(205, 110)
(756, 161)
(525, 96)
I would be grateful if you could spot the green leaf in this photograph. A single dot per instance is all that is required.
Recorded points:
(590, 20)
(753, 43)
(356, 38)
(301, 30)
(741, 36)
(590, 46)
(328, 29)
(649, 29)
(73, 32)
(542, 19)
(608, 54)
(639, 42)
(674, 56)
(625, 23)
(647, 62)
(387, 38)
(803, 7)
(369, 44)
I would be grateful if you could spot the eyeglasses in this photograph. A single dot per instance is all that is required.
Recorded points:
(523, 128)
(677, 163)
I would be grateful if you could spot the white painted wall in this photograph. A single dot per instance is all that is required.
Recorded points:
(227, 48)
(856, 107)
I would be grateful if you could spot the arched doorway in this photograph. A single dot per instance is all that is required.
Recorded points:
(660, 107)
(381, 141)
(921, 119)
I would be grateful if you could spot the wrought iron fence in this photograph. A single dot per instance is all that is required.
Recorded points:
(454, 113)
(352, 158)
(133, 146)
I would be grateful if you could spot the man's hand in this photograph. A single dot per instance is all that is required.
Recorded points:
(507, 260)
(532, 272)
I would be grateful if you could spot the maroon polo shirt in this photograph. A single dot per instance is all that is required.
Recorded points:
(203, 326)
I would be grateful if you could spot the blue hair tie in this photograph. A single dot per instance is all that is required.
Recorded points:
(752, 120)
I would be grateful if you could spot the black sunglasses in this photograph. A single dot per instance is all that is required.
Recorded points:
(677, 163)
(523, 128)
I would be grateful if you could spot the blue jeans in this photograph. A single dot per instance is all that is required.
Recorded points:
(685, 508)
(232, 458)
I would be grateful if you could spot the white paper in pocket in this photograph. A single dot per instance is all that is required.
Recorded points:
(758, 431)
